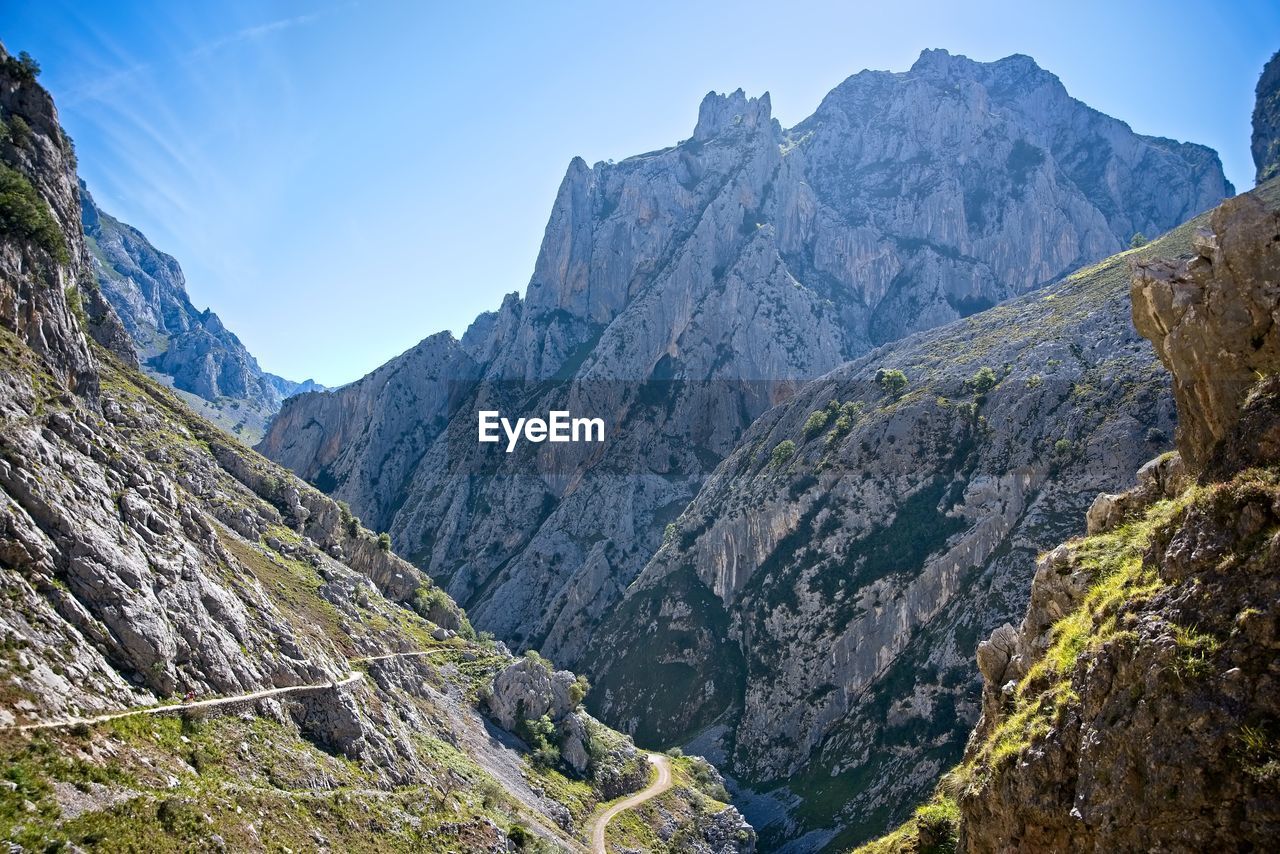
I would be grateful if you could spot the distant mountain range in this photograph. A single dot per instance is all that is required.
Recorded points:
(184, 347)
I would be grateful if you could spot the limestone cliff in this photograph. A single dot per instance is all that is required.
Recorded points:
(723, 272)
(1216, 340)
(45, 298)
(1135, 706)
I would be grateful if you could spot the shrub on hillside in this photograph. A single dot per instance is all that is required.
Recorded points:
(892, 382)
(24, 215)
(782, 452)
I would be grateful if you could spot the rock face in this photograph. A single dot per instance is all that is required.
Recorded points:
(1137, 700)
(813, 613)
(186, 348)
(1213, 319)
(42, 250)
(723, 272)
(1266, 122)
(528, 689)
(146, 556)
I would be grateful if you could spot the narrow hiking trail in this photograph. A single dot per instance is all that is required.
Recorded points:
(547, 830)
(552, 834)
(656, 788)
(214, 702)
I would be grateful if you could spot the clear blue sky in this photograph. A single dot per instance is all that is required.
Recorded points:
(341, 179)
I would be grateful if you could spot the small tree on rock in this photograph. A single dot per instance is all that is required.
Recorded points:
(782, 452)
(892, 382)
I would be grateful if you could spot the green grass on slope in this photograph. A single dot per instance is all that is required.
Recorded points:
(931, 830)
(168, 784)
(1121, 582)
(1119, 577)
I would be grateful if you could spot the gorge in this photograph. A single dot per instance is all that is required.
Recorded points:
(908, 476)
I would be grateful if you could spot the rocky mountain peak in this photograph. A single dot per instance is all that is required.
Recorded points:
(940, 63)
(933, 59)
(719, 113)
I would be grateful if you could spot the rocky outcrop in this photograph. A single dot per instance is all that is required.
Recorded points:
(685, 291)
(1266, 122)
(1062, 580)
(1135, 706)
(528, 689)
(1213, 319)
(184, 347)
(45, 300)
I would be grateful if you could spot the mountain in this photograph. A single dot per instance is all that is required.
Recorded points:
(1266, 121)
(187, 349)
(819, 601)
(1134, 706)
(683, 292)
(198, 651)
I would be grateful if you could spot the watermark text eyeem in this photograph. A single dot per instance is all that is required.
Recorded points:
(558, 426)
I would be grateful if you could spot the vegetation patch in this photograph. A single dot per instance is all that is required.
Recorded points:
(782, 452)
(934, 829)
(25, 216)
(1121, 578)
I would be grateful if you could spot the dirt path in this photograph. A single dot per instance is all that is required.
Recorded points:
(353, 676)
(509, 778)
(212, 703)
(415, 654)
(659, 786)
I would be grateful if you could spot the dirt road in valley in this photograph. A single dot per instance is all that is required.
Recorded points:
(652, 791)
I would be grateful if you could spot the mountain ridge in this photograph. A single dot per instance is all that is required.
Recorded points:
(186, 348)
(654, 265)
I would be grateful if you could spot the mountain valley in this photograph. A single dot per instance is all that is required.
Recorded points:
(905, 480)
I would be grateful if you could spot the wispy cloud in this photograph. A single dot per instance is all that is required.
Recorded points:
(181, 146)
(251, 34)
(103, 86)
